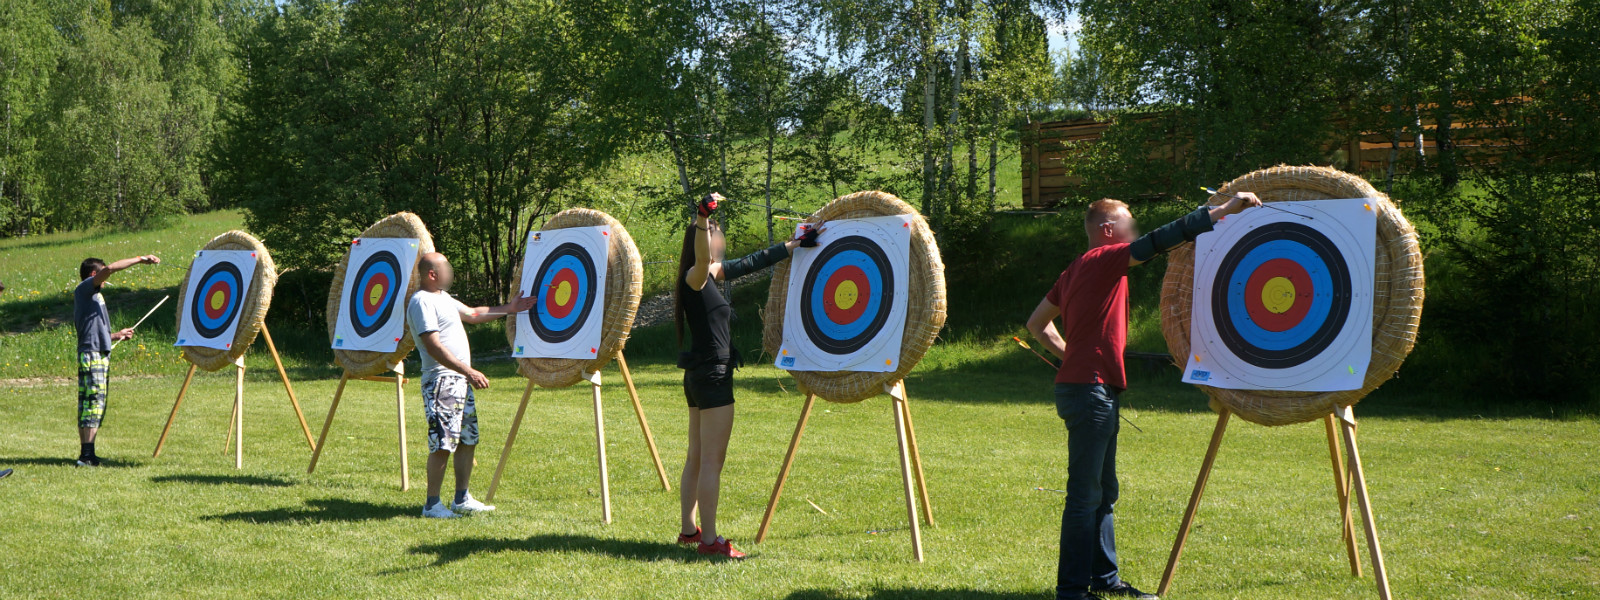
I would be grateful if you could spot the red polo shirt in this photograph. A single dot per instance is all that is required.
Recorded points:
(1093, 296)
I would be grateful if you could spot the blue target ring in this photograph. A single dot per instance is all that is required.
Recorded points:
(565, 288)
(1321, 302)
(375, 293)
(862, 265)
(217, 299)
(1330, 299)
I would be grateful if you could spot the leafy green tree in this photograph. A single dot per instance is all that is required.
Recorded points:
(28, 51)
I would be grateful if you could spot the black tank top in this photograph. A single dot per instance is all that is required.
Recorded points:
(709, 315)
(710, 320)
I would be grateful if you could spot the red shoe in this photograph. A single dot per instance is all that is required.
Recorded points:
(690, 539)
(722, 547)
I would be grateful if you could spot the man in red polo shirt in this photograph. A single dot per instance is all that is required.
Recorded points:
(1091, 299)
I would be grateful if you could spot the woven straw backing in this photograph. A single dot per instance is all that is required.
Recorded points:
(624, 285)
(256, 301)
(1397, 295)
(361, 363)
(925, 308)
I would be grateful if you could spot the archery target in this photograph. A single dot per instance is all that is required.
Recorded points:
(219, 282)
(1283, 298)
(848, 311)
(371, 305)
(565, 270)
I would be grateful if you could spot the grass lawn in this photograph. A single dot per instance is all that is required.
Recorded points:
(1469, 507)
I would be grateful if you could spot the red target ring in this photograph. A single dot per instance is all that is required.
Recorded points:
(372, 298)
(844, 296)
(562, 296)
(213, 306)
(1278, 294)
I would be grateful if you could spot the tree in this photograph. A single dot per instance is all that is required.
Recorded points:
(28, 50)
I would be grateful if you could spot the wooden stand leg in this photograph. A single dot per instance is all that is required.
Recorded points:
(322, 440)
(1194, 501)
(916, 455)
(1347, 530)
(293, 401)
(238, 415)
(600, 447)
(906, 474)
(1378, 571)
(227, 441)
(511, 439)
(179, 402)
(400, 413)
(783, 473)
(638, 409)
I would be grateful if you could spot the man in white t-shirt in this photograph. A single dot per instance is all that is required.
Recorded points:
(448, 378)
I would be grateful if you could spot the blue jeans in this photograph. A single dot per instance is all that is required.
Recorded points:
(1088, 538)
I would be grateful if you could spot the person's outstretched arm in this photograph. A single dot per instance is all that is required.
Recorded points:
(484, 314)
(1186, 228)
(770, 256)
(102, 275)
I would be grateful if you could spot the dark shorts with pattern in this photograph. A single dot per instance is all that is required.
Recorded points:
(451, 410)
(92, 388)
(708, 385)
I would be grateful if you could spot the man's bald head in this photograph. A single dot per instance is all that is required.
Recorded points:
(437, 275)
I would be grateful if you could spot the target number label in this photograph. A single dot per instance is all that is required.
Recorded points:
(219, 282)
(847, 298)
(1284, 301)
(565, 270)
(371, 305)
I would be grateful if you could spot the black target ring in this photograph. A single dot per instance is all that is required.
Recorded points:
(365, 326)
(1326, 333)
(536, 321)
(231, 276)
(808, 309)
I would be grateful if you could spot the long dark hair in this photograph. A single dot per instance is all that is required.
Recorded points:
(685, 262)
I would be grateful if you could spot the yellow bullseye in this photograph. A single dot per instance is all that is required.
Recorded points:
(1278, 295)
(563, 293)
(376, 294)
(217, 299)
(845, 295)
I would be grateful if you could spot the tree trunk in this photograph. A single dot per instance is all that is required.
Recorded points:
(929, 165)
(677, 155)
(1446, 146)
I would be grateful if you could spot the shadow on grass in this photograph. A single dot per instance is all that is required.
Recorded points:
(51, 461)
(895, 594)
(327, 510)
(250, 480)
(461, 549)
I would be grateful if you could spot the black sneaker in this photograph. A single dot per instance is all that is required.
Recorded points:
(1123, 590)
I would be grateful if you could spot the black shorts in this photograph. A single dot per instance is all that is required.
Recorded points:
(708, 385)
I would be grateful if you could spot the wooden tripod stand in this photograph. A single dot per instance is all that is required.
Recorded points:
(910, 465)
(236, 422)
(599, 434)
(1342, 484)
(399, 381)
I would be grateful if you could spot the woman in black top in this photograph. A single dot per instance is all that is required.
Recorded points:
(708, 366)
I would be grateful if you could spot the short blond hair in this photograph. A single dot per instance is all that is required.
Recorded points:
(1100, 210)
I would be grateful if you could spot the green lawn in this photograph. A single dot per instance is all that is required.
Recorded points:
(1469, 507)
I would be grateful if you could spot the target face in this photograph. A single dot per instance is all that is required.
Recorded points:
(565, 269)
(1284, 301)
(219, 281)
(377, 276)
(847, 298)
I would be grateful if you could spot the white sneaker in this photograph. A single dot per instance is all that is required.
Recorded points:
(472, 505)
(438, 512)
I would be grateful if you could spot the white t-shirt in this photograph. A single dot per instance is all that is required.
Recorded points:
(438, 311)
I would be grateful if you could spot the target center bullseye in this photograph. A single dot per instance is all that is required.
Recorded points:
(1278, 295)
(845, 295)
(376, 294)
(217, 299)
(564, 293)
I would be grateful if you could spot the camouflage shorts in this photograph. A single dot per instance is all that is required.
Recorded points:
(91, 388)
(452, 415)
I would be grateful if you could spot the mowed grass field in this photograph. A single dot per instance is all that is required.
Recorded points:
(1475, 499)
(1467, 507)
